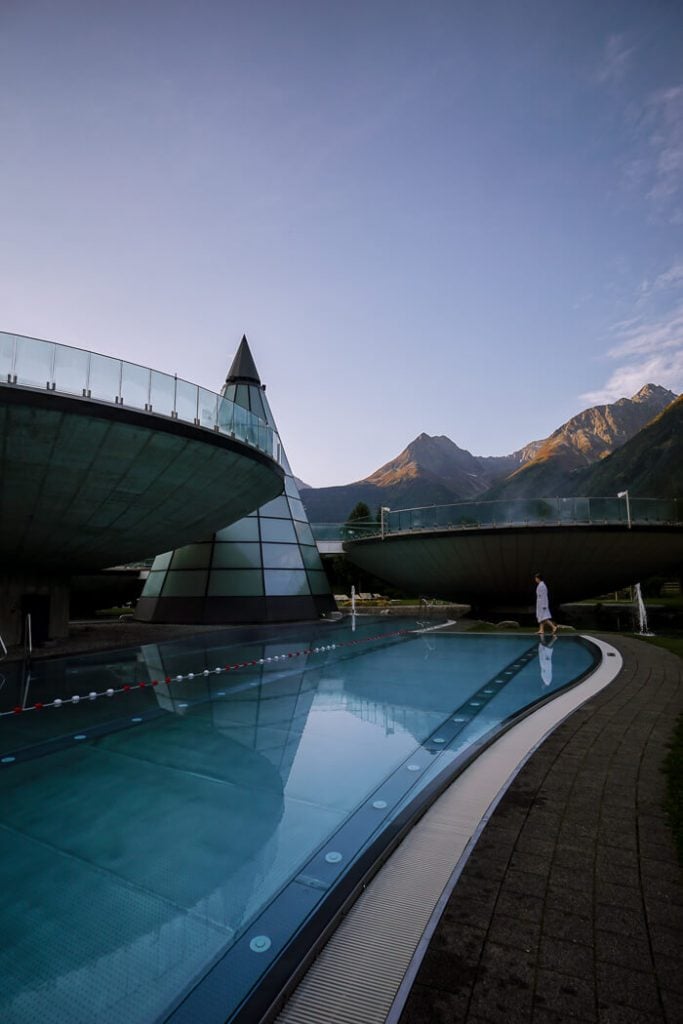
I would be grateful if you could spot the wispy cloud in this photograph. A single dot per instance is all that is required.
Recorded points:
(648, 348)
(658, 167)
(615, 60)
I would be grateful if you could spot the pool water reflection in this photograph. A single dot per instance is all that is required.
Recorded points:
(160, 848)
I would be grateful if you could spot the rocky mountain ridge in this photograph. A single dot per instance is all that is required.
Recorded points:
(434, 470)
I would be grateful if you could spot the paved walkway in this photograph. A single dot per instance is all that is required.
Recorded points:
(570, 907)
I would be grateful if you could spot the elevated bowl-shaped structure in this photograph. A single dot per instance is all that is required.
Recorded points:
(104, 462)
(486, 553)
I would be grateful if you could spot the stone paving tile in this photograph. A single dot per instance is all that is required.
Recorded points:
(565, 994)
(623, 950)
(566, 957)
(570, 908)
(625, 987)
(511, 931)
(434, 1006)
(559, 925)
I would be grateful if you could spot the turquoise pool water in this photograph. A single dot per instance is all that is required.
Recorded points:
(167, 849)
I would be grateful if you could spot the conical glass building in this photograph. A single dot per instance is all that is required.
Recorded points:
(263, 568)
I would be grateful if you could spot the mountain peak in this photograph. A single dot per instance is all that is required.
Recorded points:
(650, 391)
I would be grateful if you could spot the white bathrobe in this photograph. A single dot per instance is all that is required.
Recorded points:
(542, 609)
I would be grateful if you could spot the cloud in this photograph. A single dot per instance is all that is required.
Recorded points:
(648, 349)
(658, 128)
(615, 60)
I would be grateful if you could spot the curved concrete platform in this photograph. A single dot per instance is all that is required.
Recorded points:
(493, 567)
(87, 484)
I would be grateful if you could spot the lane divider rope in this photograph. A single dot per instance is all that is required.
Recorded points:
(59, 702)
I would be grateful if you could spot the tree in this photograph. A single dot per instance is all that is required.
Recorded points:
(359, 511)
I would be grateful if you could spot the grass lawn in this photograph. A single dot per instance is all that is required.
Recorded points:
(673, 762)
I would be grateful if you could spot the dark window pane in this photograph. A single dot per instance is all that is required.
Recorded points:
(304, 533)
(278, 531)
(193, 556)
(298, 510)
(236, 583)
(282, 556)
(153, 584)
(318, 581)
(280, 582)
(277, 508)
(243, 529)
(311, 558)
(188, 583)
(236, 556)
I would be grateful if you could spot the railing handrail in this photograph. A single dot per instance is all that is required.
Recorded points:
(514, 512)
(218, 412)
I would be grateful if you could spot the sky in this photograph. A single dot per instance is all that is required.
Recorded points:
(462, 217)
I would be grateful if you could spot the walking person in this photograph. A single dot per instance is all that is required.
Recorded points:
(542, 608)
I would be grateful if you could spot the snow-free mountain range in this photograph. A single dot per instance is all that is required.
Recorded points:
(635, 443)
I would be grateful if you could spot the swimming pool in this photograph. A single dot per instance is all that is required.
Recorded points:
(169, 851)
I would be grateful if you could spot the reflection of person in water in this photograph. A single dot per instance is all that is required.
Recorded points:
(545, 657)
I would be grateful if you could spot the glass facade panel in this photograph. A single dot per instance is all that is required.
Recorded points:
(135, 382)
(243, 529)
(104, 377)
(162, 561)
(33, 364)
(6, 355)
(71, 369)
(318, 581)
(186, 401)
(226, 416)
(304, 533)
(193, 556)
(153, 584)
(290, 487)
(311, 557)
(236, 583)
(236, 555)
(298, 510)
(282, 556)
(208, 403)
(186, 583)
(162, 393)
(257, 403)
(278, 531)
(277, 508)
(283, 582)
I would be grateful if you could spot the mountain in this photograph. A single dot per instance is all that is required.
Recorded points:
(435, 471)
(429, 471)
(581, 442)
(649, 465)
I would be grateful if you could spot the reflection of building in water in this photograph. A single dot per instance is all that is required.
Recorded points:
(263, 568)
(264, 707)
(545, 657)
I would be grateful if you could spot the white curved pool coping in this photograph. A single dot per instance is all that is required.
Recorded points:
(365, 971)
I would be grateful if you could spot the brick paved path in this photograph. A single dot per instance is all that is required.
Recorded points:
(570, 907)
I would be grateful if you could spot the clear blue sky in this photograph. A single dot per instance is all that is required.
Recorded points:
(460, 217)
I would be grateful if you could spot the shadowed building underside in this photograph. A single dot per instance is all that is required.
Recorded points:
(84, 485)
(493, 568)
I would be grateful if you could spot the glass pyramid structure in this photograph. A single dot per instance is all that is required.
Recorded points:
(263, 568)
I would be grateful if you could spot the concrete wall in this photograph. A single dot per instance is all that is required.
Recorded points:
(21, 592)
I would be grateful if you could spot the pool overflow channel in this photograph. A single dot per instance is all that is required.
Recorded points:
(263, 964)
(247, 980)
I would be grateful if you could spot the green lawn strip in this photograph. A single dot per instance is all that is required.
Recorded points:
(673, 762)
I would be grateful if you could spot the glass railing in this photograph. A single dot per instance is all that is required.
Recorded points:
(472, 515)
(344, 531)
(534, 512)
(62, 369)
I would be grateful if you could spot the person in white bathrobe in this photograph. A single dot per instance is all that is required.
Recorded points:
(542, 607)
